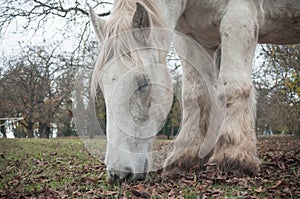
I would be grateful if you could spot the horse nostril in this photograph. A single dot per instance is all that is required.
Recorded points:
(111, 177)
(130, 174)
(117, 176)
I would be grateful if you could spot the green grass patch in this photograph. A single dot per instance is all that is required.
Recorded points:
(31, 166)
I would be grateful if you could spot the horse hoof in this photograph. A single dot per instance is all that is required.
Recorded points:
(239, 164)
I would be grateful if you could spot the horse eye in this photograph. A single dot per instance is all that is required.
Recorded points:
(142, 82)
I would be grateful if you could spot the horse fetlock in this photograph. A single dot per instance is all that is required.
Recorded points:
(240, 161)
(185, 160)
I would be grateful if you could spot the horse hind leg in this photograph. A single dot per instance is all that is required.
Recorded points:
(236, 146)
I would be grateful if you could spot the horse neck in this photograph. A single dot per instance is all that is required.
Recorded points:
(171, 11)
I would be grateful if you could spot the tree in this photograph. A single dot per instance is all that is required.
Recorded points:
(173, 121)
(38, 87)
(278, 84)
(2, 128)
(4, 107)
(101, 109)
(58, 23)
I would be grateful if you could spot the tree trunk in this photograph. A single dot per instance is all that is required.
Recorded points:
(47, 131)
(3, 130)
(298, 133)
(41, 129)
(44, 130)
(172, 132)
(30, 130)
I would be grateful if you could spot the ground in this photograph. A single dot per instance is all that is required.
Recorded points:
(63, 168)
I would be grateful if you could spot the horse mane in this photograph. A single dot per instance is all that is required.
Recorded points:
(120, 21)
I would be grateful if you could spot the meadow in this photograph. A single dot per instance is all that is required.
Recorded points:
(64, 168)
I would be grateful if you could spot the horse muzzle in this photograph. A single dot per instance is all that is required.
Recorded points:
(115, 176)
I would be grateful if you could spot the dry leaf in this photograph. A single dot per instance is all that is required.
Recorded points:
(277, 184)
(259, 190)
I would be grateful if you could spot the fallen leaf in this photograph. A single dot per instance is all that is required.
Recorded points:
(172, 194)
(298, 173)
(76, 193)
(277, 184)
(201, 187)
(140, 191)
(109, 193)
(259, 190)
(139, 187)
(190, 182)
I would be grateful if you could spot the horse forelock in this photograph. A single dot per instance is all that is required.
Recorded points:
(120, 22)
(122, 15)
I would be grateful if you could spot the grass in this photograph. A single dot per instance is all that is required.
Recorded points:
(33, 165)
(66, 168)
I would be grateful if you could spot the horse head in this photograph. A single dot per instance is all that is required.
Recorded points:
(132, 75)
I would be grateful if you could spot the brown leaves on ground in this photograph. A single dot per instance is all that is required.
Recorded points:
(64, 169)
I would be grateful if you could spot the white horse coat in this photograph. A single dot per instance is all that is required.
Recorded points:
(234, 25)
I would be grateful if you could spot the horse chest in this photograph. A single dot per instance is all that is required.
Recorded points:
(201, 22)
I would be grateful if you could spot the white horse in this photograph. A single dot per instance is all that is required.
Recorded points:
(234, 25)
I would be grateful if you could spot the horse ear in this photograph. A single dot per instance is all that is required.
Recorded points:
(98, 25)
(141, 23)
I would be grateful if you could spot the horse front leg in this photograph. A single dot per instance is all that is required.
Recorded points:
(192, 133)
(236, 146)
(196, 139)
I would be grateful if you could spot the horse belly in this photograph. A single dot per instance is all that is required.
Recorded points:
(281, 24)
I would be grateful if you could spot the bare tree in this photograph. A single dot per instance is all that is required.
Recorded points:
(56, 20)
(39, 83)
(38, 87)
